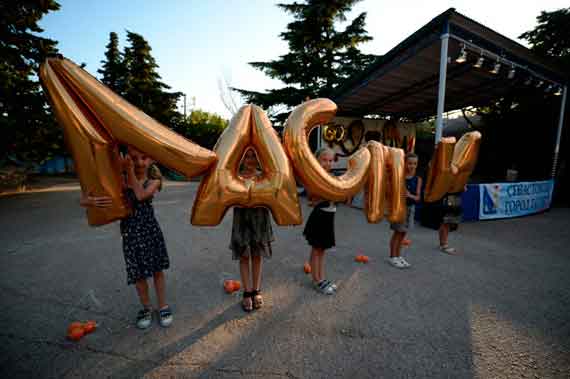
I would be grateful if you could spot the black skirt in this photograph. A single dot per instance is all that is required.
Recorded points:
(447, 210)
(319, 230)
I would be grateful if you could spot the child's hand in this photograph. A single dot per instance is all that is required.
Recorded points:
(127, 163)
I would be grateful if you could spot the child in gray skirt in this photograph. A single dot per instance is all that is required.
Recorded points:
(413, 194)
(251, 240)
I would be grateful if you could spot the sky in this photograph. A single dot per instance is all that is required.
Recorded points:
(198, 43)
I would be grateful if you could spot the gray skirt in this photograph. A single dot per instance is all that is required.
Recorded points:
(252, 233)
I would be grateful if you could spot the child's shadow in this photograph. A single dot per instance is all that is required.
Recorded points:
(146, 364)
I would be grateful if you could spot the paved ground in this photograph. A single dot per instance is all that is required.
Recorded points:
(500, 310)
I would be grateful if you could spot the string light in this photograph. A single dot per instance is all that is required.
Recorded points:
(462, 58)
(480, 61)
(496, 68)
(511, 72)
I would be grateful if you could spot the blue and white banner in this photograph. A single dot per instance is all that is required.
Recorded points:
(503, 200)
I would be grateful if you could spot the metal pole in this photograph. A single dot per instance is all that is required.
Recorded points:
(184, 105)
(442, 84)
(558, 135)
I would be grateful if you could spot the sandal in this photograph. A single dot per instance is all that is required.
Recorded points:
(257, 299)
(247, 303)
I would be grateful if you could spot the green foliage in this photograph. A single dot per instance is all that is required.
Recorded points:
(320, 57)
(28, 129)
(551, 37)
(113, 70)
(203, 128)
(143, 87)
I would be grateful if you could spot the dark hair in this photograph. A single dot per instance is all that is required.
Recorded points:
(411, 156)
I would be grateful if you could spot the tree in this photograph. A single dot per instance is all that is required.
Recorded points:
(29, 131)
(143, 87)
(551, 37)
(204, 128)
(113, 70)
(320, 57)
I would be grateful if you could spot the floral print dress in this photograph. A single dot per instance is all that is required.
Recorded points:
(143, 243)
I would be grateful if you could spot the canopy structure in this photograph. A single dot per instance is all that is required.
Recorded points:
(452, 62)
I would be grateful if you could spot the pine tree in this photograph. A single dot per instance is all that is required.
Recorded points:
(113, 69)
(28, 129)
(320, 57)
(143, 87)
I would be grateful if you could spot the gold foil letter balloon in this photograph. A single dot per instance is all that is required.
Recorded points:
(315, 179)
(223, 187)
(386, 186)
(95, 120)
(451, 165)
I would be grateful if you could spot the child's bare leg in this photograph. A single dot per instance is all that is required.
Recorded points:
(315, 265)
(256, 271)
(321, 264)
(142, 291)
(160, 288)
(244, 272)
(443, 234)
(396, 243)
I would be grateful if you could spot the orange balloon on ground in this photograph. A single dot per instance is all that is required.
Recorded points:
(75, 334)
(89, 327)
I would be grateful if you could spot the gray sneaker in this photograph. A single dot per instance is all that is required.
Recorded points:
(144, 318)
(324, 287)
(165, 317)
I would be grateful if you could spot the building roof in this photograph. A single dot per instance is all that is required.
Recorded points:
(404, 82)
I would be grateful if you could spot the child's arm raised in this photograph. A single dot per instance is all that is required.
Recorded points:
(140, 191)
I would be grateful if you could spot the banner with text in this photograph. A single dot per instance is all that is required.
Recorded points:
(503, 200)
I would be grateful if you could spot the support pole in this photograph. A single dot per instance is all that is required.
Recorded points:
(442, 84)
(559, 134)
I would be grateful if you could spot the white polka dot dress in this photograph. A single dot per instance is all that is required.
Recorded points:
(143, 243)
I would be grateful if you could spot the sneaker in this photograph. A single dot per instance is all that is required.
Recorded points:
(332, 285)
(404, 262)
(447, 249)
(165, 317)
(324, 287)
(144, 318)
(396, 262)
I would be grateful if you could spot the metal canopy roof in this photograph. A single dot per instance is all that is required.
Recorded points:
(404, 82)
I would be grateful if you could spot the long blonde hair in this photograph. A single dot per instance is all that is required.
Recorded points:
(155, 174)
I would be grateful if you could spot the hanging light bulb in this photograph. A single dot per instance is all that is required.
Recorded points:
(462, 58)
(511, 73)
(558, 91)
(480, 61)
(539, 84)
(496, 68)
